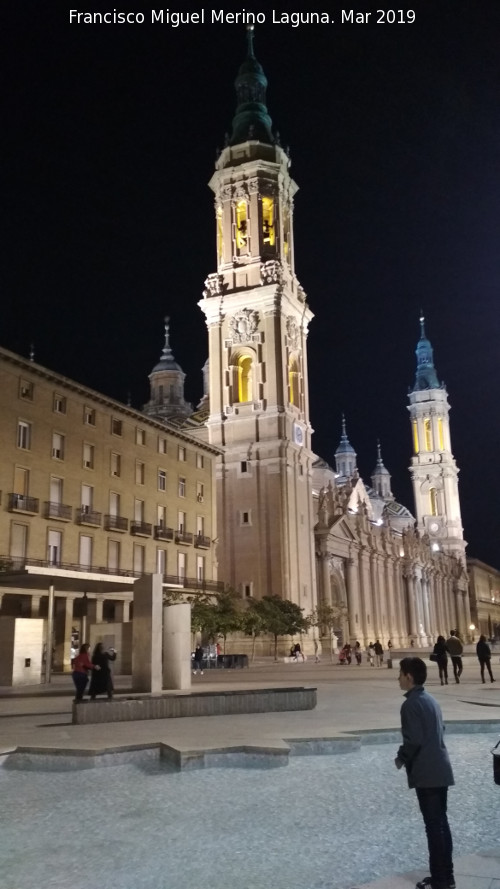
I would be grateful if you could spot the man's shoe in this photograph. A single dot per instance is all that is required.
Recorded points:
(426, 883)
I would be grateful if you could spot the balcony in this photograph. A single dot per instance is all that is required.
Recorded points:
(162, 533)
(141, 529)
(183, 537)
(22, 503)
(59, 511)
(202, 541)
(193, 584)
(115, 523)
(87, 516)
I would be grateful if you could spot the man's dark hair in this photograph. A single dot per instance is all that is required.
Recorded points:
(453, 632)
(415, 667)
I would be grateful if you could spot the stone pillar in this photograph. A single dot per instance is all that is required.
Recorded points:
(122, 612)
(50, 634)
(94, 610)
(376, 594)
(35, 606)
(177, 646)
(352, 599)
(410, 577)
(63, 622)
(362, 602)
(400, 612)
(147, 634)
(427, 614)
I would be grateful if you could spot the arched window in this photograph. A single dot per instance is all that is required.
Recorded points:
(440, 434)
(241, 225)
(294, 382)
(268, 232)
(220, 235)
(415, 436)
(433, 501)
(245, 387)
(428, 435)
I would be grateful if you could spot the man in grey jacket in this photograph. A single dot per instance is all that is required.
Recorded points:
(425, 757)
(456, 651)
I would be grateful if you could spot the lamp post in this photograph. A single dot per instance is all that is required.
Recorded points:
(472, 628)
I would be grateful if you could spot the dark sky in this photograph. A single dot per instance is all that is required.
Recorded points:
(111, 133)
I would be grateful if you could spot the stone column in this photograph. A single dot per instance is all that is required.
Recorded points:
(352, 599)
(50, 634)
(147, 634)
(426, 604)
(412, 604)
(35, 606)
(362, 601)
(122, 612)
(177, 646)
(63, 627)
(377, 605)
(94, 610)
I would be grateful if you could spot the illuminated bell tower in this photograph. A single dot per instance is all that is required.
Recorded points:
(433, 469)
(257, 318)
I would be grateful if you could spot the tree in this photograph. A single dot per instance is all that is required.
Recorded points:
(215, 616)
(252, 625)
(327, 617)
(280, 618)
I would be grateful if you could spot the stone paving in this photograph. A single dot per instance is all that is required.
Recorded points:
(350, 699)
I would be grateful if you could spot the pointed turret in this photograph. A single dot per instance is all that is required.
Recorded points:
(381, 477)
(167, 385)
(251, 120)
(345, 455)
(426, 377)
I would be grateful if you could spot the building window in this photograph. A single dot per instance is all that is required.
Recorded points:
(114, 504)
(162, 445)
(59, 404)
(85, 552)
(200, 492)
(139, 558)
(182, 487)
(26, 390)
(21, 481)
(200, 568)
(56, 490)
(200, 526)
(244, 367)
(293, 382)
(433, 501)
(116, 426)
(89, 416)
(116, 465)
(113, 555)
(161, 561)
(24, 435)
(57, 446)
(181, 565)
(88, 456)
(247, 590)
(138, 510)
(244, 466)
(245, 518)
(415, 436)
(18, 540)
(140, 436)
(181, 454)
(87, 498)
(440, 434)
(200, 462)
(54, 547)
(428, 435)
(181, 522)
(140, 471)
(162, 480)
(161, 516)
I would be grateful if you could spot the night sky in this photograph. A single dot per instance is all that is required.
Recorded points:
(394, 131)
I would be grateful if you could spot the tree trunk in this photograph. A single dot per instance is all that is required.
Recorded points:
(254, 638)
(275, 649)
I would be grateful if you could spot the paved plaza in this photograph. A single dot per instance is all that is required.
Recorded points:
(350, 699)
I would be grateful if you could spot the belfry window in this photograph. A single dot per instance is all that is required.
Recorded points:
(433, 501)
(293, 382)
(220, 235)
(415, 436)
(268, 230)
(440, 434)
(428, 435)
(245, 388)
(286, 234)
(241, 225)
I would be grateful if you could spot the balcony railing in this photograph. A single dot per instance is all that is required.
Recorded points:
(59, 511)
(115, 523)
(22, 503)
(202, 541)
(183, 537)
(86, 516)
(162, 533)
(141, 529)
(194, 584)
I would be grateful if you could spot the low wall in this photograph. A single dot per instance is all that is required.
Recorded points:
(223, 703)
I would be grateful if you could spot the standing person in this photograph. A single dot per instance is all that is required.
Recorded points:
(102, 680)
(298, 651)
(483, 652)
(357, 653)
(81, 667)
(440, 653)
(316, 651)
(371, 654)
(379, 654)
(424, 755)
(198, 660)
(456, 650)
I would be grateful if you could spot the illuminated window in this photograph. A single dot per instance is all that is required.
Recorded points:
(415, 436)
(440, 434)
(268, 230)
(286, 234)
(220, 235)
(428, 435)
(245, 378)
(241, 225)
(24, 435)
(433, 501)
(293, 382)
(57, 446)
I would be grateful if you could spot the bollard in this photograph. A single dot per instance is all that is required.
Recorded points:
(389, 663)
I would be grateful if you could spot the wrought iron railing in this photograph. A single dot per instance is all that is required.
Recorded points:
(86, 516)
(52, 510)
(141, 529)
(23, 503)
(115, 523)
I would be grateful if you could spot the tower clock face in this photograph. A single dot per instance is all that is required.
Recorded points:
(298, 434)
(434, 527)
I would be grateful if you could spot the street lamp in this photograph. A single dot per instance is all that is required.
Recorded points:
(472, 628)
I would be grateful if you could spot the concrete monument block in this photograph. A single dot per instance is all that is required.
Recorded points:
(21, 646)
(147, 634)
(177, 646)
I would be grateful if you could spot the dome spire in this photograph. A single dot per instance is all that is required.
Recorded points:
(426, 377)
(251, 120)
(345, 455)
(381, 479)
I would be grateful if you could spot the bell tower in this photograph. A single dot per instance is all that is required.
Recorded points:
(433, 469)
(257, 318)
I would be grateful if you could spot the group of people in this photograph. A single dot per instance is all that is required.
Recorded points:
(101, 682)
(374, 653)
(453, 646)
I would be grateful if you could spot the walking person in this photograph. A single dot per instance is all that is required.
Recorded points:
(440, 653)
(456, 650)
(316, 651)
(424, 755)
(371, 654)
(379, 654)
(198, 660)
(82, 665)
(483, 652)
(357, 653)
(102, 679)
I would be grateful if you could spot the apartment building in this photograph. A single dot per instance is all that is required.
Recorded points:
(94, 493)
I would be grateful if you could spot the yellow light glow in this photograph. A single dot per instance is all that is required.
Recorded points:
(241, 225)
(245, 378)
(428, 435)
(220, 235)
(440, 434)
(268, 221)
(415, 436)
(433, 501)
(293, 382)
